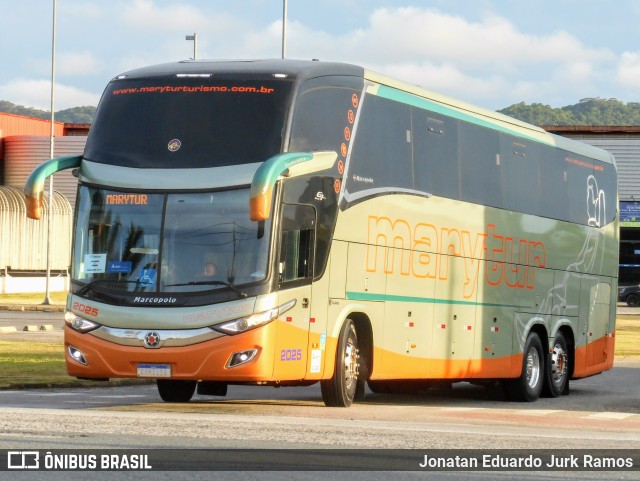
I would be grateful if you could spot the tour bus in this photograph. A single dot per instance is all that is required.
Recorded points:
(282, 223)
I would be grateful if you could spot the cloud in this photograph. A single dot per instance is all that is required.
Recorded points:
(76, 63)
(177, 17)
(485, 61)
(628, 70)
(37, 94)
(84, 10)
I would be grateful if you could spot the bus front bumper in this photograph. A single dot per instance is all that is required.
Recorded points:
(88, 356)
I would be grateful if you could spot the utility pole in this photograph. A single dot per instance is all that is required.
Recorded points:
(194, 37)
(284, 28)
(47, 297)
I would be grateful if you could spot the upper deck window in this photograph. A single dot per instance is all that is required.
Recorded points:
(178, 122)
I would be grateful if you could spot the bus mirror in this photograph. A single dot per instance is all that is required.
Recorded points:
(34, 207)
(267, 174)
(265, 179)
(34, 187)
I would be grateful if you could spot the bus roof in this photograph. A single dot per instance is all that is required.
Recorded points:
(297, 69)
(301, 70)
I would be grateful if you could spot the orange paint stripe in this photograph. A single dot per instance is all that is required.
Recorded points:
(595, 357)
(391, 365)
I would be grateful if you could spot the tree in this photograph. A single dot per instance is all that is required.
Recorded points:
(75, 115)
(591, 111)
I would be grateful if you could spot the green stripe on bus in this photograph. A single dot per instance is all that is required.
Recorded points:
(366, 296)
(426, 104)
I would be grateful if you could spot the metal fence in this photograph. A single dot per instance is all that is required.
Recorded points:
(23, 241)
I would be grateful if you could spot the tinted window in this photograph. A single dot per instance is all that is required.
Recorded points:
(398, 146)
(554, 197)
(519, 168)
(187, 122)
(588, 182)
(381, 157)
(322, 114)
(171, 243)
(296, 243)
(435, 141)
(317, 191)
(605, 175)
(480, 165)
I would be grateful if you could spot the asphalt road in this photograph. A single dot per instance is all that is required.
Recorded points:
(601, 412)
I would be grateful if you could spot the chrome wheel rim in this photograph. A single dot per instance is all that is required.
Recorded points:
(558, 365)
(351, 364)
(533, 368)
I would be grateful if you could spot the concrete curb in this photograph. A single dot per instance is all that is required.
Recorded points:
(32, 307)
(28, 328)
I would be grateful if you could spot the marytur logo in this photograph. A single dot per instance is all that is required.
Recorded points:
(424, 251)
(23, 460)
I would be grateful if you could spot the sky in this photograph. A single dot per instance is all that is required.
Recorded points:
(492, 53)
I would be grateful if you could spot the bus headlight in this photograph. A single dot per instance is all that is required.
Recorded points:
(78, 323)
(238, 326)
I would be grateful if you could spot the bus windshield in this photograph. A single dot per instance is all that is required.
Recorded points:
(170, 243)
(180, 123)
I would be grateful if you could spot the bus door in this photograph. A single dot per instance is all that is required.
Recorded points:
(295, 276)
(598, 320)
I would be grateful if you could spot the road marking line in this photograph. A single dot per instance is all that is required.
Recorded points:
(609, 415)
(118, 396)
(538, 412)
(455, 408)
(52, 394)
(87, 402)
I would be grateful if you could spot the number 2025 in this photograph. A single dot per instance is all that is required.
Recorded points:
(291, 355)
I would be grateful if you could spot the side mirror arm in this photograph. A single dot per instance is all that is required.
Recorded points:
(289, 165)
(34, 187)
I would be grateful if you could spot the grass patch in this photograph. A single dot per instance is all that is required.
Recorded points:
(31, 363)
(33, 298)
(41, 364)
(628, 338)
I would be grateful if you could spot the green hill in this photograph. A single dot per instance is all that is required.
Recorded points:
(593, 111)
(75, 115)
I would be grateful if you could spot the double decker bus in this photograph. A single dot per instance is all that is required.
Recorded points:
(286, 222)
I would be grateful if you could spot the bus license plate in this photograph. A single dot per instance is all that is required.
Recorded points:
(154, 370)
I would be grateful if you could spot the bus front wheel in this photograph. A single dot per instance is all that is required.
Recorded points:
(340, 390)
(176, 391)
(528, 386)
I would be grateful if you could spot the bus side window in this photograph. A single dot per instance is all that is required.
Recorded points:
(296, 243)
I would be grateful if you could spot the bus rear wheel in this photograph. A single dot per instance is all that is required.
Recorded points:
(528, 386)
(176, 391)
(340, 390)
(557, 371)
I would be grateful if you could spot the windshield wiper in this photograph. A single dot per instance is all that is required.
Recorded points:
(210, 283)
(89, 285)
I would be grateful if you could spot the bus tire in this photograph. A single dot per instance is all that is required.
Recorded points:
(556, 380)
(633, 300)
(528, 386)
(176, 391)
(340, 390)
